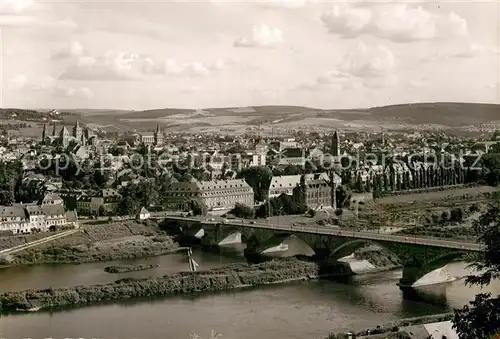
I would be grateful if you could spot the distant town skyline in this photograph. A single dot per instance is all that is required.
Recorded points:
(185, 54)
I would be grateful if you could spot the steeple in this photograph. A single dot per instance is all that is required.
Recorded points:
(44, 133)
(335, 147)
(158, 136)
(77, 131)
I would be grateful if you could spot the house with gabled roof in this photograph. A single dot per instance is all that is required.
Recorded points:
(104, 201)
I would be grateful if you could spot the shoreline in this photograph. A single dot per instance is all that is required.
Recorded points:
(89, 260)
(397, 326)
(115, 269)
(230, 277)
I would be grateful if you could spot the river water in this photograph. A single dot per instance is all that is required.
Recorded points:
(304, 310)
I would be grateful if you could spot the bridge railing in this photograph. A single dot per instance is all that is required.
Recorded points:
(325, 230)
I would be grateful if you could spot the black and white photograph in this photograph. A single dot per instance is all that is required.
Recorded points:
(249, 169)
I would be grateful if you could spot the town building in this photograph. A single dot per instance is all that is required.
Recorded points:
(259, 155)
(32, 218)
(286, 184)
(316, 191)
(155, 138)
(103, 202)
(79, 135)
(144, 214)
(283, 185)
(52, 199)
(216, 195)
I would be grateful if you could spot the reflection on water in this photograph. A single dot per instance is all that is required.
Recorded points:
(45, 276)
(435, 294)
(298, 310)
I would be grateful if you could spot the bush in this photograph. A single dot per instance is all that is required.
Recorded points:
(457, 214)
(242, 211)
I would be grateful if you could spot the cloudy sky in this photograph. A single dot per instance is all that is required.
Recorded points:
(194, 54)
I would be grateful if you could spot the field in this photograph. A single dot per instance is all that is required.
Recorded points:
(282, 118)
(439, 195)
(105, 242)
(429, 213)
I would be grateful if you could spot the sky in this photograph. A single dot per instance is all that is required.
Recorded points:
(218, 53)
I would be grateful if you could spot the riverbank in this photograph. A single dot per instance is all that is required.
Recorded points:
(126, 269)
(397, 329)
(106, 242)
(230, 277)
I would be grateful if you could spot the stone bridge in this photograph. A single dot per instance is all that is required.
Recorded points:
(419, 255)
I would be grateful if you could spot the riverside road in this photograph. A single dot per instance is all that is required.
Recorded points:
(336, 231)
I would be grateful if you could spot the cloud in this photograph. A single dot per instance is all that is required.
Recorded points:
(389, 80)
(472, 50)
(395, 22)
(277, 4)
(50, 85)
(262, 36)
(292, 4)
(362, 67)
(25, 13)
(338, 79)
(110, 66)
(14, 6)
(418, 83)
(367, 62)
(74, 49)
(467, 51)
(18, 82)
(173, 67)
(128, 66)
(495, 85)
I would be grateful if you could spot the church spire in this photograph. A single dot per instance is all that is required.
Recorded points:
(44, 132)
(335, 144)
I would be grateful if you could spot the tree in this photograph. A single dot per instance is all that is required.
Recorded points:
(6, 198)
(259, 178)
(359, 183)
(198, 207)
(102, 211)
(481, 318)
(242, 211)
(457, 215)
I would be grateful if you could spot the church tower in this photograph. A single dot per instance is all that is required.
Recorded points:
(335, 147)
(77, 131)
(158, 136)
(64, 136)
(44, 133)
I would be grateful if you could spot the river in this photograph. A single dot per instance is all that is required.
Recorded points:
(304, 310)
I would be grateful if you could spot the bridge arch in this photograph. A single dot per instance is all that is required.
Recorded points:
(352, 245)
(417, 269)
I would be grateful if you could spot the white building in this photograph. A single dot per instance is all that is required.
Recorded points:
(144, 214)
(216, 195)
(29, 218)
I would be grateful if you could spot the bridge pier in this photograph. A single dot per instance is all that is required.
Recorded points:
(419, 255)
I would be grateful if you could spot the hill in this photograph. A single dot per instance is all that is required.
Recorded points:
(397, 117)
